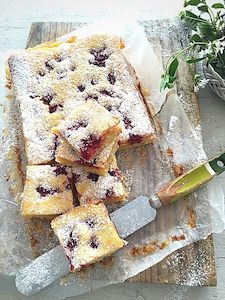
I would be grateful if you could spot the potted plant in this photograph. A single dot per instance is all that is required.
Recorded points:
(207, 44)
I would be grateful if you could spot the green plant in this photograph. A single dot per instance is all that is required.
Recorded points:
(207, 40)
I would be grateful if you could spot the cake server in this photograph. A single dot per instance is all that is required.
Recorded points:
(52, 265)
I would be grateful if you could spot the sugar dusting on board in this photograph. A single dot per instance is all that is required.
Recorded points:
(146, 170)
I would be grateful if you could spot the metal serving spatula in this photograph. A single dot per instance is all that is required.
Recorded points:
(52, 265)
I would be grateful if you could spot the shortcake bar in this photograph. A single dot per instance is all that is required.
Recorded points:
(49, 82)
(88, 128)
(92, 187)
(47, 191)
(87, 235)
(99, 165)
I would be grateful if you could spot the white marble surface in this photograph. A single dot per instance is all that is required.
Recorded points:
(15, 20)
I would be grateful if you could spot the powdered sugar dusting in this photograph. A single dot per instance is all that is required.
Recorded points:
(92, 187)
(48, 82)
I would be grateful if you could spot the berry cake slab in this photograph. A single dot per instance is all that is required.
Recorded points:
(99, 165)
(47, 191)
(177, 146)
(88, 129)
(48, 82)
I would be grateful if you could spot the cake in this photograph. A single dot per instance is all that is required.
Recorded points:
(92, 187)
(47, 191)
(99, 165)
(88, 129)
(87, 235)
(49, 82)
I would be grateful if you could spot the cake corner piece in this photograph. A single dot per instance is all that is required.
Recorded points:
(86, 234)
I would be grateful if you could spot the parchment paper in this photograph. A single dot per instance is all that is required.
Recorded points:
(145, 168)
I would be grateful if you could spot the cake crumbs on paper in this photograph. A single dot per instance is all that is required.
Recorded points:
(178, 170)
(169, 152)
(191, 217)
(154, 246)
(107, 261)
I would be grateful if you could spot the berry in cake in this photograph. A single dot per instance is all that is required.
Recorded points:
(87, 235)
(99, 165)
(47, 191)
(88, 128)
(92, 187)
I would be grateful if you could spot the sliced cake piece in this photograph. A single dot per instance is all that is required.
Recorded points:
(87, 235)
(88, 129)
(47, 191)
(92, 187)
(99, 165)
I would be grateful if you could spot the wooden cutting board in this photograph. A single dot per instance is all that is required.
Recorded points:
(193, 265)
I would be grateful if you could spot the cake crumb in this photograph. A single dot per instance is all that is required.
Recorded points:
(191, 217)
(178, 170)
(169, 152)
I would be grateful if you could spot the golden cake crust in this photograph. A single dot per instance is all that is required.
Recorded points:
(87, 129)
(47, 191)
(87, 234)
(92, 187)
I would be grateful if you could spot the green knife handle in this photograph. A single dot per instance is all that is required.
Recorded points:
(190, 181)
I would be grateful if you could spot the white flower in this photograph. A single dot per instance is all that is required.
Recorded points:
(214, 48)
(203, 82)
(199, 82)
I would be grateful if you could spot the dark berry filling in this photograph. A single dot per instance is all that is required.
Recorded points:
(71, 265)
(49, 65)
(72, 242)
(47, 98)
(76, 177)
(41, 73)
(61, 74)
(89, 146)
(111, 78)
(115, 173)
(77, 125)
(53, 108)
(68, 186)
(99, 58)
(91, 96)
(109, 107)
(93, 177)
(127, 123)
(94, 242)
(107, 93)
(56, 143)
(90, 223)
(94, 81)
(81, 87)
(60, 170)
(109, 193)
(44, 191)
(34, 95)
(72, 68)
(135, 138)
(58, 58)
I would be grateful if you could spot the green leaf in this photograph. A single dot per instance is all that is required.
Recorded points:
(203, 8)
(167, 81)
(217, 5)
(194, 60)
(191, 19)
(196, 38)
(191, 2)
(173, 67)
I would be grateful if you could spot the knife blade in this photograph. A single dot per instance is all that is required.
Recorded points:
(53, 264)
